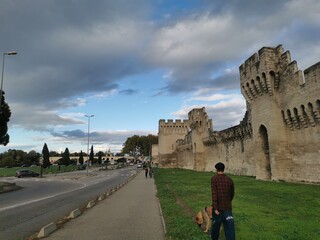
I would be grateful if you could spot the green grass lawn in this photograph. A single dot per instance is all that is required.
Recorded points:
(9, 172)
(263, 210)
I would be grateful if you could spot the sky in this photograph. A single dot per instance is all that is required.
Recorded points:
(132, 63)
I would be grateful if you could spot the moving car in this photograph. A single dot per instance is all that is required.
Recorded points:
(26, 173)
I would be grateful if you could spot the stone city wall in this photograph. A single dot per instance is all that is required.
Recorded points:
(279, 136)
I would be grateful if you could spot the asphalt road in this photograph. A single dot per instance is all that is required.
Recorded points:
(42, 201)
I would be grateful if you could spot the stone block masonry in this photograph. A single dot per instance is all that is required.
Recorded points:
(279, 136)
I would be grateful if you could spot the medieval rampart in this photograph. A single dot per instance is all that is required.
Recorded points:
(170, 131)
(279, 136)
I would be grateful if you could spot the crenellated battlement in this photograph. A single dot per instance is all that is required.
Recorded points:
(199, 118)
(239, 132)
(300, 117)
(278, 138)
(265, 60)
(173, 123)
(312, 75)
(259, 74)
(173, 126)
(271, 72)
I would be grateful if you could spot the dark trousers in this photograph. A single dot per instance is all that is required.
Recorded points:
(225, 218)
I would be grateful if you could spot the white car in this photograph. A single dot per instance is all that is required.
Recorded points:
(139, 165)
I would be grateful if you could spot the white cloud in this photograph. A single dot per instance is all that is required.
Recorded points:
(105, 94)
(200, 96)
(39, 118)
(225, 110)
(71, 53)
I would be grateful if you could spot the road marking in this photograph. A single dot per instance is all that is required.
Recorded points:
(40, 199)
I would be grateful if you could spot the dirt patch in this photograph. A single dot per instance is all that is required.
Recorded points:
(187, 210)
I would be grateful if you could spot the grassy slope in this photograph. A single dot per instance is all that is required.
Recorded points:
(262, 210)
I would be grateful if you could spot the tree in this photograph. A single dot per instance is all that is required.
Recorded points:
(15, 158)
(147, 142)
(139, 145)
(81, 158)
(5, 114)
(33, 157)
(54, 154)
(100, 155)
(132, 146)
(46, 156)
(66, 157)
(91, 155)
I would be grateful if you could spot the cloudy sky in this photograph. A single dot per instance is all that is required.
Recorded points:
(131, 63)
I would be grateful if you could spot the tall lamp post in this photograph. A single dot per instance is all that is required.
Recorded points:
(4, 54)
(88, 116)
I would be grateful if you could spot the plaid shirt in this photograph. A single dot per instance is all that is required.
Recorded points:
(222, 189)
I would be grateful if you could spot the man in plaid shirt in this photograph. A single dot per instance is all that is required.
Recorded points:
(222, 189)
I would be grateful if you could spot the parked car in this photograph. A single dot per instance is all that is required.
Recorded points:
(26, 173)
(139, 165)
(81, 167)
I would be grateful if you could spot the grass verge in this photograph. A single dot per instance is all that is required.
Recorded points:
(10, 172)
(263, 210)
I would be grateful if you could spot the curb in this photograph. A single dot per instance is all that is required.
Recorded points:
(162, 219)
(75, 213)
(161, 215)
(50, 228)
(91, 204)
(46, 230)
(102, 197)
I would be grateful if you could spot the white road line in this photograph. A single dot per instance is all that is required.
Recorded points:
(40, 199)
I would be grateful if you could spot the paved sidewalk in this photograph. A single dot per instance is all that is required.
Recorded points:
(132, 213)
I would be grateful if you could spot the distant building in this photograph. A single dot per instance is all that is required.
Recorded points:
(108, 157)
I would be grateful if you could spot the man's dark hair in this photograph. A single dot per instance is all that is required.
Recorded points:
(219, 166)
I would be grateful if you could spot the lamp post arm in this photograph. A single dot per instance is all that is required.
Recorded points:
(1, 94)
(3, 56)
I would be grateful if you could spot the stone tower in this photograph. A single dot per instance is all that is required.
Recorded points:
(168, 132)
(284, 103)
(199, 126)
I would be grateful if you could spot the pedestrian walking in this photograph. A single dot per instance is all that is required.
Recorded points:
(146, 171)
(222, 189)
(150, 172)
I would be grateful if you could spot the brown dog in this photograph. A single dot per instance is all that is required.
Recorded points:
(203, 218)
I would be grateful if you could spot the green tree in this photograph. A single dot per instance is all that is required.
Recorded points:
(147, 142)
(46, 156)
(132, 146)
(139, 145)
(81, 158)
(91, 155)
(33, 157)
(66, 157)
(54, 154)
(15, 158)
(5, 114)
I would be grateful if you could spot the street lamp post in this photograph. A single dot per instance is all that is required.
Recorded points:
(88, 116)
(1, 94)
